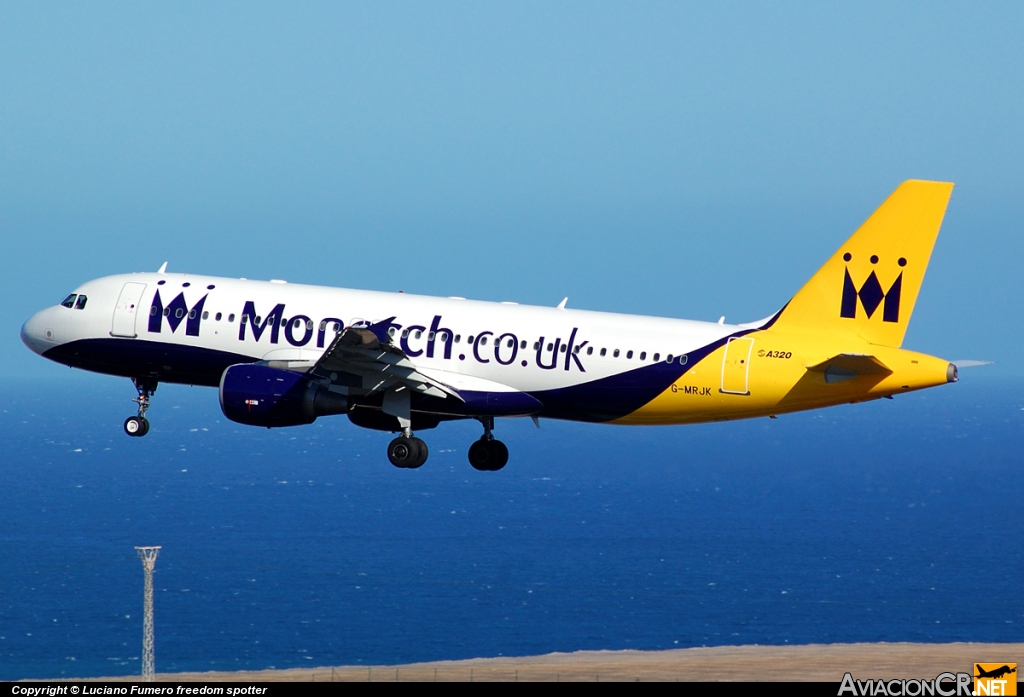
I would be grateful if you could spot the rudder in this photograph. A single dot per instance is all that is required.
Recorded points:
(870, 285)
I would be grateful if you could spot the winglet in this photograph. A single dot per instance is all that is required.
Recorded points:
(561, 305)
(163, 268)
(380, 329)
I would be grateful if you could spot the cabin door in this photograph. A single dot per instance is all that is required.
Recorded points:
(127, 309)
(736, 366)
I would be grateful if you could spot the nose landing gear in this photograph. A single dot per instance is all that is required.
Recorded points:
(488, 454)
(138, 426)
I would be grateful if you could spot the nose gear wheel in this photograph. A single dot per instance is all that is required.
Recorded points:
(138, 426)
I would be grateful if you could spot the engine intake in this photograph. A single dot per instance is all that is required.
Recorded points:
(257, 395)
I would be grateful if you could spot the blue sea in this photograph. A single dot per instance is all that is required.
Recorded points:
(890, 521)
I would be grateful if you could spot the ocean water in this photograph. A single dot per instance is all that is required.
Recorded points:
(891, 521)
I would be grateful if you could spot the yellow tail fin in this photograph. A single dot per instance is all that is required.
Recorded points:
(869, 286)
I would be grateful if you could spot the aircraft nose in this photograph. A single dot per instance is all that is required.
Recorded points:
(36, 334)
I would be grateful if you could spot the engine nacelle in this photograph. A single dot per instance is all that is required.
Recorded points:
(260, 396)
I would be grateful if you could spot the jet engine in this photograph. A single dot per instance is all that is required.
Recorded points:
(260, 396)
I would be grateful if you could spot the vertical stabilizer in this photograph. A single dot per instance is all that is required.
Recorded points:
(869, 287)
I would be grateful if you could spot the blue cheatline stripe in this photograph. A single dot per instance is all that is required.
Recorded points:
(613, 397)
(134, 358)
(619, 395)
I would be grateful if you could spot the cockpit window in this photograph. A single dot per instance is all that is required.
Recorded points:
(80, 305)
(69, 301)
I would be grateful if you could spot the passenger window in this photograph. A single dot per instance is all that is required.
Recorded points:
(458, 338)
(309, 325)
(218, 316)
(629, 354)
(536, 345)
(656, 357)
(682, 360)
(80, 305)
(337, 326)
(616, 354)
(550, 346)
(522, 344)
(392, 331)
(206, 315)
(192, 314)
(418, 333)
(469, 339)
(430, 336)
(668, 358)
(231, 317)
(69, 302)
(590, 351)
(643, 355)
(563, 348)
(483, 341)
(604, 351)
(167, 312)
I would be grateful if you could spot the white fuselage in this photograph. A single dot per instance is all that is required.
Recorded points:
(521, 346)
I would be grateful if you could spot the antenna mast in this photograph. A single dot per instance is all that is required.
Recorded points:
(148, 557)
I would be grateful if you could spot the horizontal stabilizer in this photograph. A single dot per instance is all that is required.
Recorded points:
(846, 366)
(971, 364)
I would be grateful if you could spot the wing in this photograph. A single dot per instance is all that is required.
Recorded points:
(362, 357)
(846, 366)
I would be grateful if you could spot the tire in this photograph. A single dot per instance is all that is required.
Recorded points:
(135, 426)
(145, 426)
(482, 456)
(421, 454)
(403, 452)
(500, 455)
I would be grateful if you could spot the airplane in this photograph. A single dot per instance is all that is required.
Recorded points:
(996, 673)
(283, 354)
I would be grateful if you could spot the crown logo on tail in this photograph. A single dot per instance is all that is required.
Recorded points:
(871, 294)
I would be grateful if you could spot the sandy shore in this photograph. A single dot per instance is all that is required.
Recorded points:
(813, 662)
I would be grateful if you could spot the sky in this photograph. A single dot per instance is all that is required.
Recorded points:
(653, 158)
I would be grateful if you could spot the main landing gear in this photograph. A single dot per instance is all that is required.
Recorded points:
(407, 451)
(138, 426)
(488, 454)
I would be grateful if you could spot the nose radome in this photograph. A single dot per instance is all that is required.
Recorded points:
(36, 335)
